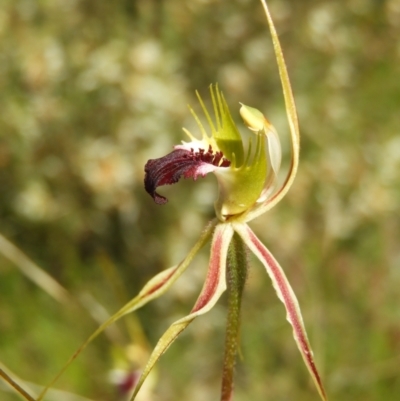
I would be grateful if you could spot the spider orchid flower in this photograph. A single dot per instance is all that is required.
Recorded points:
(247, 181)
(248, 187)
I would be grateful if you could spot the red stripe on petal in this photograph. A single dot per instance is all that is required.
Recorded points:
(213, 288)
(213, 274)
(287, 296)
(159, 284)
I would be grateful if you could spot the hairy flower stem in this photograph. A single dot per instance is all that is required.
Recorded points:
(236, 277)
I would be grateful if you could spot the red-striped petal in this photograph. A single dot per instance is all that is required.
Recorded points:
(288, 298)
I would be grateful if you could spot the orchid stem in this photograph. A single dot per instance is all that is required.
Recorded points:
(236, 277)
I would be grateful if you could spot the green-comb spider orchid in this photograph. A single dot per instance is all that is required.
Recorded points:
(247, 188)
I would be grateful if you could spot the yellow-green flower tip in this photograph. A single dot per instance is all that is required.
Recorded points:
(254, 119)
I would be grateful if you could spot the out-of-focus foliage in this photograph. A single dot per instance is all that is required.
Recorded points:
(91, 89)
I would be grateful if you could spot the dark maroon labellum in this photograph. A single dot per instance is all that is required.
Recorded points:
(181, 162)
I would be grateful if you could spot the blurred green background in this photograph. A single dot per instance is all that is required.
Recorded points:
(91, 89)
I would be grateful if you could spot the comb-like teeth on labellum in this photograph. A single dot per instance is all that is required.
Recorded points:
(180, 163)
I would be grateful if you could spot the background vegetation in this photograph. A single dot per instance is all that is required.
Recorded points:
(89, 90)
